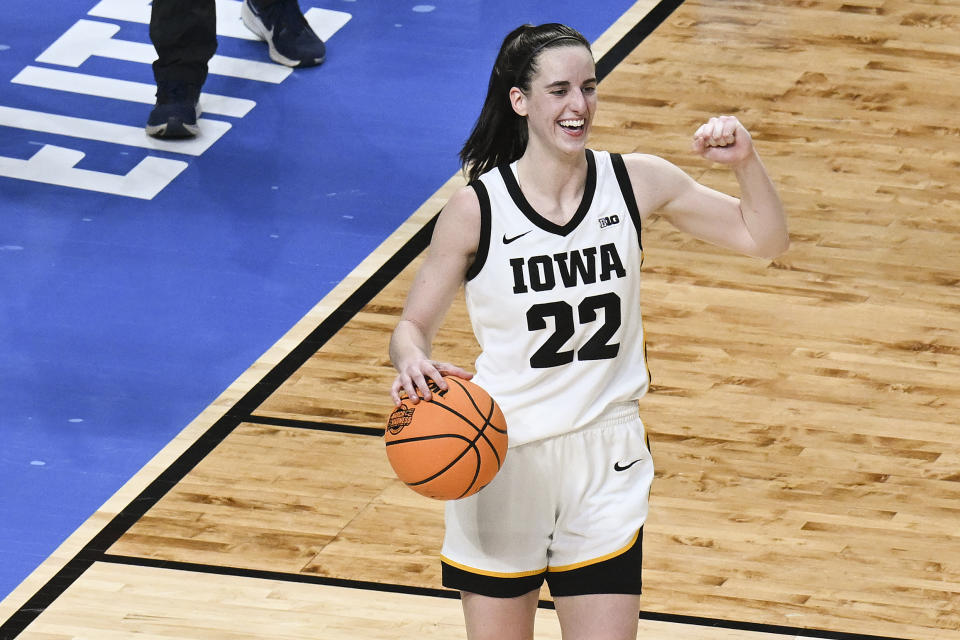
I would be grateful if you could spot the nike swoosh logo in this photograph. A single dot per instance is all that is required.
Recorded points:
(507, 240)
(617, 467)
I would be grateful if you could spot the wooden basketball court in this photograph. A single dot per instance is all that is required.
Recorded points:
(804, 414)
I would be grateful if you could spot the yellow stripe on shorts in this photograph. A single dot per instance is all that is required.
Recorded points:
(491, 574)
(585, 563)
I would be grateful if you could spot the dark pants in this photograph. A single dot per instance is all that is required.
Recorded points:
(184, 33)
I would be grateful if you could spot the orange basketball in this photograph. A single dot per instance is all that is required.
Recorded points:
(450, 447)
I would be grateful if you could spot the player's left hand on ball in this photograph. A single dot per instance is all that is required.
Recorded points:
(723, 139)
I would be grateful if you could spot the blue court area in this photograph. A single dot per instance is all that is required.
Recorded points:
(138, 280)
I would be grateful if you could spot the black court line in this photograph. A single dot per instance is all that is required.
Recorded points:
(242, 411)
(619, 51)
(95, 550)
(315, 425)
(453, 595)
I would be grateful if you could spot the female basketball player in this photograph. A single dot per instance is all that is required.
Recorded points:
(547, 240)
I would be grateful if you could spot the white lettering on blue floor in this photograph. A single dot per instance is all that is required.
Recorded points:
(56, 165)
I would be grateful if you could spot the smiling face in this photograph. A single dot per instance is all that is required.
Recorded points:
(561, 100)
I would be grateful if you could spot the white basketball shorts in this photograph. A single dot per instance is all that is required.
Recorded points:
(569, 509)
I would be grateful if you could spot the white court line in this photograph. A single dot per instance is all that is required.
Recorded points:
(324, 22)
(142, 92)
(56, 165)
(110, 132)
(91, 38)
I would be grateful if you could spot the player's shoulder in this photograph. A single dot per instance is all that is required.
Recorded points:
(461, 215)
(465, 200)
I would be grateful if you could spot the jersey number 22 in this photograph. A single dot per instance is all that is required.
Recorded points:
(597, 346)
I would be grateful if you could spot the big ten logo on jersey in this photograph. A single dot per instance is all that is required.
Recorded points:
(569, 269)
(609, 221)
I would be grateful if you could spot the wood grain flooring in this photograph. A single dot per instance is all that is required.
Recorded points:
(178, 605)
(804, 414)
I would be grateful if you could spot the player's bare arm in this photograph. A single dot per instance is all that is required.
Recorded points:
(452, 249)
(754, 224)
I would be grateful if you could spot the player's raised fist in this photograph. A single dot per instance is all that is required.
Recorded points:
(723, 139)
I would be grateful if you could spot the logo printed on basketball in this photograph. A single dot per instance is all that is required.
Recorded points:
(435, 388)
(400, 418)
(450, 447)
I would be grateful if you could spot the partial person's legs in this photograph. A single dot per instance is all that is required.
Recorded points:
(499, 618)
(605, 616)
(184, 33)
(289, 37)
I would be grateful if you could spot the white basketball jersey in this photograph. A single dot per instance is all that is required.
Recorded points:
(556, 309)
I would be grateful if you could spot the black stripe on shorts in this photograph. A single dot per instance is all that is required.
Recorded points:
(619, 574)
(492, 586)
